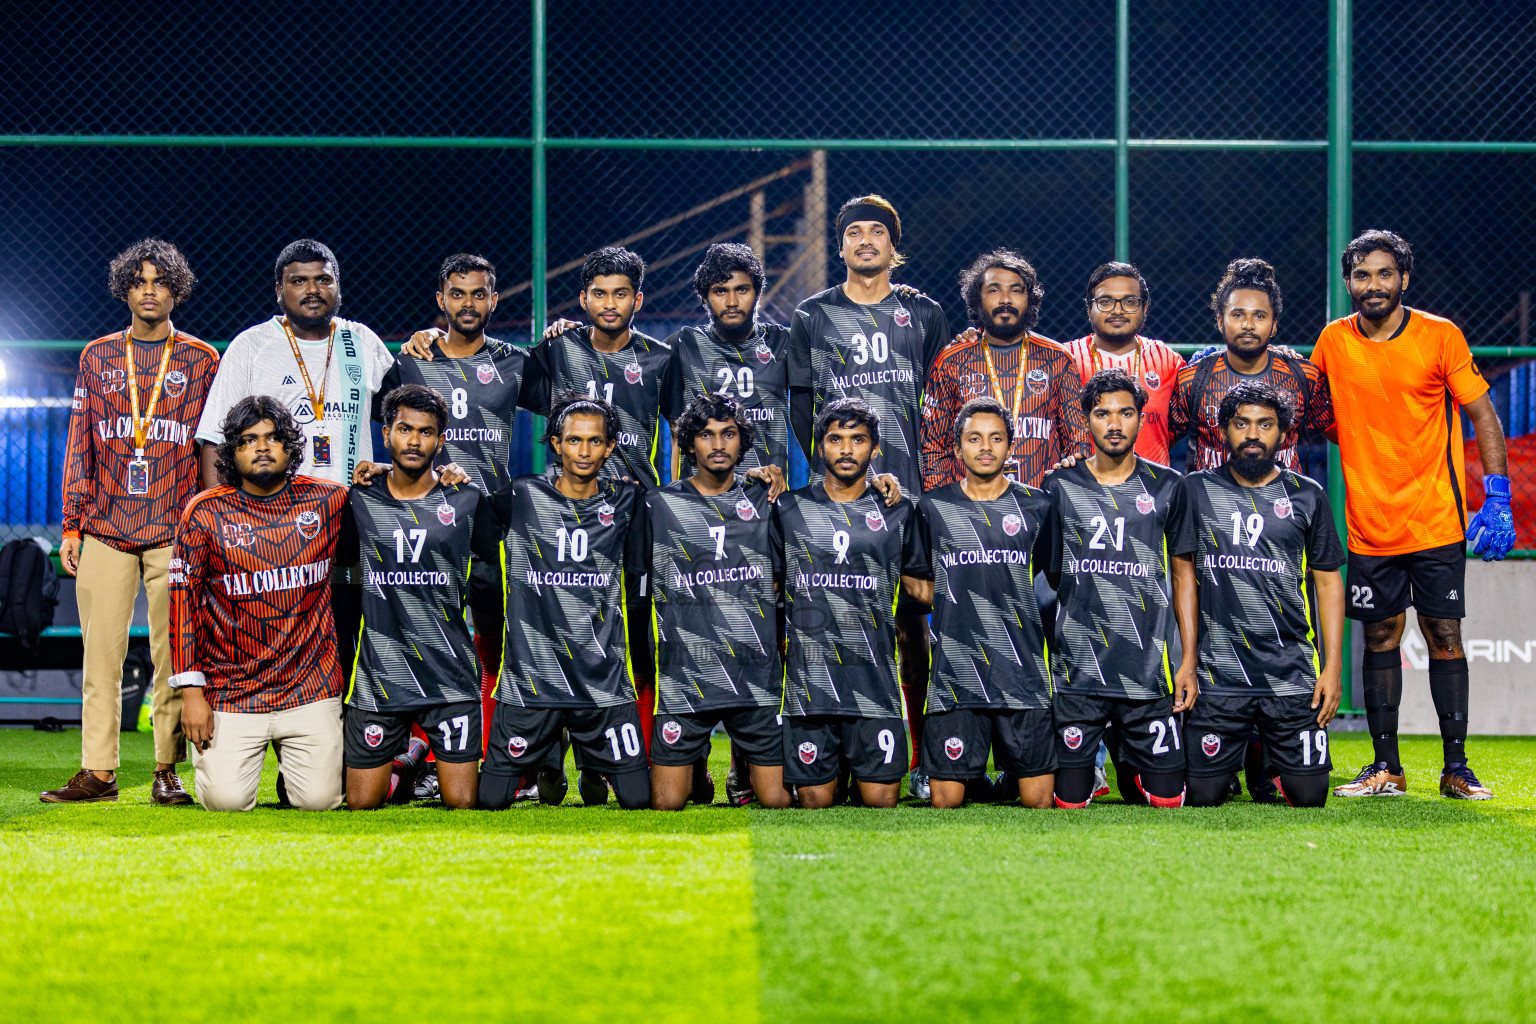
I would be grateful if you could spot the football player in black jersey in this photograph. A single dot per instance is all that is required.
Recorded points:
(418, 541)
(1267, 558)
(716, 565)
(1120, 580)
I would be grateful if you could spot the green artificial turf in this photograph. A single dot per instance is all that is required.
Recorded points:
(1398, 910)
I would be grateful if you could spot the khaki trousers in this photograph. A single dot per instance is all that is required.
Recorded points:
(105, 587)
(308, 744)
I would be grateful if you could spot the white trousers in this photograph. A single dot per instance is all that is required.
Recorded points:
(308, 744)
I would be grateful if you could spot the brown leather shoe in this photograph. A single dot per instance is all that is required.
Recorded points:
(166, 790)
(84, 788)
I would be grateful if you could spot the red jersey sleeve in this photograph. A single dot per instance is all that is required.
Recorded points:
(1072, 429)
(941, 404)
(80, 451)
(1178, 404)
(188, 575)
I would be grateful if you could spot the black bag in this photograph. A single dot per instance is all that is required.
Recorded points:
(29, 590)
(138, 676)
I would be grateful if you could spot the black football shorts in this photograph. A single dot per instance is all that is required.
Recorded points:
(372, 739)
(1218, 727)
(956, 743)
(817, 746)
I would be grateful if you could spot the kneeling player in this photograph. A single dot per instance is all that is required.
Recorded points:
(989, 688)
(575, 587)
(845, 555)
(715, 561)
(1266, 555)
(1117, 519)
(417, 540)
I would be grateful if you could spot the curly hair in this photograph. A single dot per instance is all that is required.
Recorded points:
(613, 260)
(1253, 274)
(723, 259)
(847, 412)
(123, 271)
(572, 402)
(1108, 381)
(979, 407)
(711, 406)
(1001, 259)
(245, 414)
(1377, 240)
(1252, 392)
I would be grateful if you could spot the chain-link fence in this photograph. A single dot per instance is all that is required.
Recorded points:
(401, 133)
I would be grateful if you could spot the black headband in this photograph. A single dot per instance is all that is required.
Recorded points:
(868, 211)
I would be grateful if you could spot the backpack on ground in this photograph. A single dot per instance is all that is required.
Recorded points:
(29, 589)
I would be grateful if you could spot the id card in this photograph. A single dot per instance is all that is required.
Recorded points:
(138, 476)
(1012, 469)
(320, 453)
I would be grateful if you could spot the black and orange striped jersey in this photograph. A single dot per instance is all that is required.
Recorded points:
(1049, 423)
(1208, 449)
(251, 596)
(98, 500)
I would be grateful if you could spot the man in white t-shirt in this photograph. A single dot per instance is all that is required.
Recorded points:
(324, 370)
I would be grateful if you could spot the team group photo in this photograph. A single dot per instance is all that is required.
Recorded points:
(960, 654)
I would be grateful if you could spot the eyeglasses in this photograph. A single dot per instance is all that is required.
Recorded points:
(1105, 303)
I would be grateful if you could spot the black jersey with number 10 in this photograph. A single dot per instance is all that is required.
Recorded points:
(989, 646)
(713, 563)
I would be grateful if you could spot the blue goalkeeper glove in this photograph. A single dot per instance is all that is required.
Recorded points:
(1203, 353)
(1492, 531)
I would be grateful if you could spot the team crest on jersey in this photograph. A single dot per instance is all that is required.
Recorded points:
(671, 732)
(485, 372)
(764, 353)
(1037, 381)
(807, 752)
(175, 383)
(354, 373)
(1283, 508)
(308, 523)
(373, 735)
(1072, 736)
(1152, 380)
(1145, 503)
(954, 747)
(745, 510)
(902, 316)
(1210, 743)
(1012, 524)
(632, 373)
(239, 535)
(605, 514)
(445, 514)
(874, 520)
(517, 746)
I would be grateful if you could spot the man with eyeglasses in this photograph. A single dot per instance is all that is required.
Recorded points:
(1117, 303)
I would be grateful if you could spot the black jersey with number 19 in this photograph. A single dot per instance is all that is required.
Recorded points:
(989, 646)
(417, 557)
(843, 563)
(713, 563)
(575, 582)
(1111, 547)
(1254, 547)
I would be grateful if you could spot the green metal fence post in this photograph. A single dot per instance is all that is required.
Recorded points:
(538, 200)
(1122, 130)
(1340, 230)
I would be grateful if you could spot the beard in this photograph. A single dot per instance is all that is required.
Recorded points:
(470, 330)
(1004, 332)
(1394, 300)
(265, 478)
(299, 318)
(852, 477)
(1253, 465)
(735, 334)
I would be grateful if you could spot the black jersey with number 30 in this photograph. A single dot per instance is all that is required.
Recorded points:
(417, 557)
(713, 563)
(843, 563)
(1111, 546)
(633, 380)
(482, 392)
(575, 583)
(1254, 547)
(989, 646)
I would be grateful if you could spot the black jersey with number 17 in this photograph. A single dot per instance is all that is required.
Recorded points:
(575, 582)
(482, 392)
(633, 380)
(843, 563)
(754, 371)
(879, 353)
(989, 646)
(1254, 549)
(419, 558)
(714, 559)
(1111, 546)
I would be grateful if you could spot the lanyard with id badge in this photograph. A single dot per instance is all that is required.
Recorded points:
(138, 466)
(1012, 469)
(320, 444)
